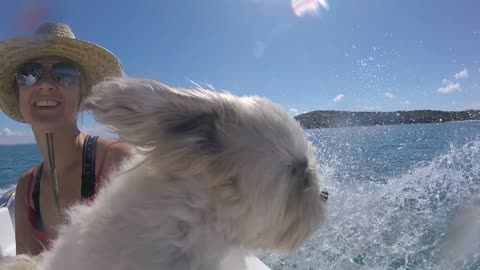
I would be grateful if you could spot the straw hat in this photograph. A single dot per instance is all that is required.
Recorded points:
(52, 39)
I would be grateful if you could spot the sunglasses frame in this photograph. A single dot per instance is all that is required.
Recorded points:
(44, 65)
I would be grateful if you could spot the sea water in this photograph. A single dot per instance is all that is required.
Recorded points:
(401, 197)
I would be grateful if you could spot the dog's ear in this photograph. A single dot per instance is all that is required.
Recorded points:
(142, 112)
(201, 130)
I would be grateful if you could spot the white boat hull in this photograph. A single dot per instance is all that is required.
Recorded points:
(7, 237)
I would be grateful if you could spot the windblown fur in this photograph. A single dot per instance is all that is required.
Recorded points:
(212, 173)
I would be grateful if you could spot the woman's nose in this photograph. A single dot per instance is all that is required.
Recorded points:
(47, 82)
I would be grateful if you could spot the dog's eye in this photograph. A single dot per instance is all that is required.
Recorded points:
(298, 168)
(295, 171)
(299, 172)
(307, 183)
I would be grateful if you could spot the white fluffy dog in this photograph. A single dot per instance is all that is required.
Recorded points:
(213, 173)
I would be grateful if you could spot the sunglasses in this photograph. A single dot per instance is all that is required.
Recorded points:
(66, 74)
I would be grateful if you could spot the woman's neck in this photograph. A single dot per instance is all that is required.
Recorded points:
(68, 147)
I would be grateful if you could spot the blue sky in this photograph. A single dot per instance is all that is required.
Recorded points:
(355, 55)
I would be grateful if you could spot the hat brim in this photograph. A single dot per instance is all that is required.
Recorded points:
(96, 64)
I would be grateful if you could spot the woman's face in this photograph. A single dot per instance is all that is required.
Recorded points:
(52, 101)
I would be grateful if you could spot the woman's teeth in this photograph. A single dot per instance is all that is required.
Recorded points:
(46, 103)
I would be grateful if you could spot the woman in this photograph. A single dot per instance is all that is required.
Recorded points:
(43, 79)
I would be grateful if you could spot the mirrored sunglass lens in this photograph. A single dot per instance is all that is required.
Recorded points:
(65, 73)
(29, 74)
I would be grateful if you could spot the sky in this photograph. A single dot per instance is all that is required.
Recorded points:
(373, 55)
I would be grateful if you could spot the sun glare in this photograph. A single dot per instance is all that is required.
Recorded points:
(302, 7)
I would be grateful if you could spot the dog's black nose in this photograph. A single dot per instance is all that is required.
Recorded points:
(324, 195)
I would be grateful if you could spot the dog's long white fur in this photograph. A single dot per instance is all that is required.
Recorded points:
(212, 173)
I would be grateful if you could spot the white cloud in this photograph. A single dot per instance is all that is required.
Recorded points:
(259, 49)
(449, 87)
(8, 136)
(372, 108)
(406, 102)
(338, 98)
(474, 105)
(462, 74)
(7, 132)
(293, 111)
(389, 95)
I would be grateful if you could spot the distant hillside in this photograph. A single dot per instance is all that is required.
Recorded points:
(327, 119)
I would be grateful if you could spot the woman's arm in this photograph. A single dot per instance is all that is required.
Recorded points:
(24, 240)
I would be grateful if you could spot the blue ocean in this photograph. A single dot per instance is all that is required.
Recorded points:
(401, 197)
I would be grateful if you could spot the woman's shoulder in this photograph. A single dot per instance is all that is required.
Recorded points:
(24, 182)
(113, 146)
(25, 179)
(111, 152)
